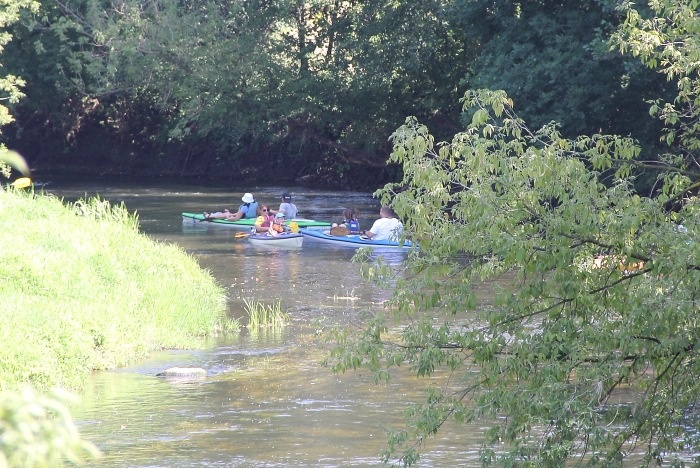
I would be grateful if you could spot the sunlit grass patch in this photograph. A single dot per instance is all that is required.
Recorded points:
(82, 290)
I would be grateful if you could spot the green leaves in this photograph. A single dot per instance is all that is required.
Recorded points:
(546, 284)
(38, 431)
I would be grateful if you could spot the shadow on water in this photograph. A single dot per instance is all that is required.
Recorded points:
(266, 399)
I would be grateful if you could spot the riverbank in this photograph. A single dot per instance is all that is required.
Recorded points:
(327, 176)
(83, 290)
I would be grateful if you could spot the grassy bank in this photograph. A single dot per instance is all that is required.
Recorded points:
(82, 289)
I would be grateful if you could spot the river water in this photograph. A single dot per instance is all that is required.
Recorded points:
(267, 400)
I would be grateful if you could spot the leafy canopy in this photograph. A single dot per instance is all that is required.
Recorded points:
(585, 346)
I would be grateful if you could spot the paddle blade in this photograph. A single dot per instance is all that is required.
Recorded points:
(22, 182)
(14, 159)
(294, 227)
(240, 235)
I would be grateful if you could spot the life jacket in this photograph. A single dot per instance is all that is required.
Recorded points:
(265, 220)
(252, 210)
(353, 225)
(278, 227)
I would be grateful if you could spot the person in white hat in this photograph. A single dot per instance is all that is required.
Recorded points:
(249, 209)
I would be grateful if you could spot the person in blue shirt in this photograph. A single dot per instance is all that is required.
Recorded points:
(350, 220)
(249, 209)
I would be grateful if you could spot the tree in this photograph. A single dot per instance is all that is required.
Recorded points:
(286, 83)
(596, 286)
(11, 85)
(551, 57)
(147, 76)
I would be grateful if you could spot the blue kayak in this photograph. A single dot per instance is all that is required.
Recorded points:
(353, 240)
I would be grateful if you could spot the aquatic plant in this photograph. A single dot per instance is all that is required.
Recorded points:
(265, 315)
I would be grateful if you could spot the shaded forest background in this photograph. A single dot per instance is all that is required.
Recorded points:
(303, 90)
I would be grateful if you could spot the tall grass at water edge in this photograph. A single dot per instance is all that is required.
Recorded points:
(265, 315)
(82, 289)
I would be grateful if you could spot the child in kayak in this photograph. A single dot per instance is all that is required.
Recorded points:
(350, 223)
(277, 227)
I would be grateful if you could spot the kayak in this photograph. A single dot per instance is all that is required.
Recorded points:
(246, 224)
(353, 240)
(285, 239)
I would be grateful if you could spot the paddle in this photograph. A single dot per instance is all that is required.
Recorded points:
(14, 159)
(241, 235)
(22, 182)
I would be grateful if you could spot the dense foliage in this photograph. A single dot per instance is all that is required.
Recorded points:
(585, 349)
(38, 431)
(302, 88)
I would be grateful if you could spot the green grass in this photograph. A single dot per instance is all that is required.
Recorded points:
(265, 316)
(82, 289)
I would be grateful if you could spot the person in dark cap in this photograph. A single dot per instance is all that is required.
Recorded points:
(288, 208)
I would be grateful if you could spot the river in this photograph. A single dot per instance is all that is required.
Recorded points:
(267, 400)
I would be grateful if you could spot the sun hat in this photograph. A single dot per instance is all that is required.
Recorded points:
(248, 198)
(279, 215)
(287, 196)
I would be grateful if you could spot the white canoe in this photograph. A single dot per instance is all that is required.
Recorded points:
(285, 240)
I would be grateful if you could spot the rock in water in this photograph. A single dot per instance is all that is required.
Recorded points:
(183, 372)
